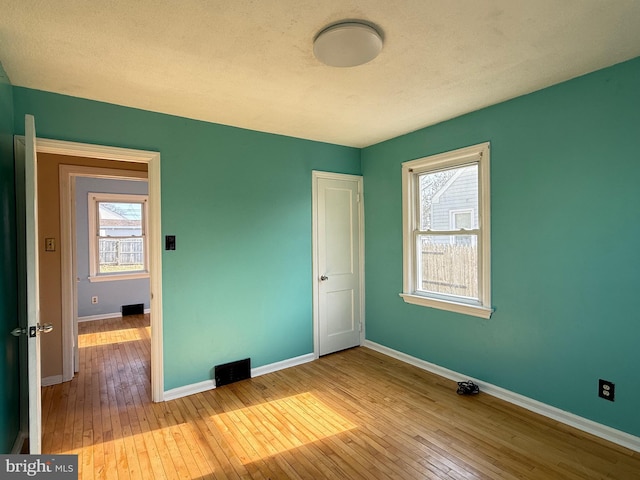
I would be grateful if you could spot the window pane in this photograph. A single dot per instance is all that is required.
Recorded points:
(120, 243)
(120, 219)
(448, 265)
(462, 220)
(449, 199)
(121, 255)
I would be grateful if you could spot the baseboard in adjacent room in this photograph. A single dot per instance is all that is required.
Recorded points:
(200, 387)
(52, 380)
(599, 430)
(104, 316)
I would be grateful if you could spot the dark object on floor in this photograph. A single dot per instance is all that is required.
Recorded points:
(467, 388)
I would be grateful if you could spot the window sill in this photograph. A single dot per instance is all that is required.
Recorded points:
(474, 310)
(121, 276)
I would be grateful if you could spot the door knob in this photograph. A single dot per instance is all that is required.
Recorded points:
(45, 328)
(323, 278)
(16, 332)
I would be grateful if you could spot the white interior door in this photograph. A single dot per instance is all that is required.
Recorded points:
(338, 266)
(33, 298)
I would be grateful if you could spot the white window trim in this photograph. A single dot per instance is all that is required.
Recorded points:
(410, 205)
(94, 199)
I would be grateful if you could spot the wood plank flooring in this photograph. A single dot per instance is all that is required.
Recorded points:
(356, 414)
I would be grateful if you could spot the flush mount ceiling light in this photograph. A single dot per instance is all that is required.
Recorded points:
(347, 44)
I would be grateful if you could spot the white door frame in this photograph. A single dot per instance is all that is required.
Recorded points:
(152, 159)
(315, 175)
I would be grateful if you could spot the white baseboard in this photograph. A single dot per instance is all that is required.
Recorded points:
(274, 367)
(19, 443)
(200, 387)
(187, 390)
(52, 380)
(599, 430)
(104, 316)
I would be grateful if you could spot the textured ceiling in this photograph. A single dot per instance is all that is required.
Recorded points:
(250, 63)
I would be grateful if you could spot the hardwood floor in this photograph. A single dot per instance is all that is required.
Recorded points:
(356, 414)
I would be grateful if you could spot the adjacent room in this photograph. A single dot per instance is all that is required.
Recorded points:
(337, 240)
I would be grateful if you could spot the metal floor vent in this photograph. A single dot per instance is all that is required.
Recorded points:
(135, 309)
(232, 372)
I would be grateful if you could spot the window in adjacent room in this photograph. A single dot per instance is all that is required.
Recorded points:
(117, 236)
(446, 231)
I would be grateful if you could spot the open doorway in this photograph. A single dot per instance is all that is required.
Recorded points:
(105, 217)
(73, 161)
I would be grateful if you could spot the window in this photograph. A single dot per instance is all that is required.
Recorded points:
(446, 231)
(118, 240)
(462, 219)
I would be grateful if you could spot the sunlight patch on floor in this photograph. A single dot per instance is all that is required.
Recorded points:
(251, 433)
(128, 335)
(270, 428)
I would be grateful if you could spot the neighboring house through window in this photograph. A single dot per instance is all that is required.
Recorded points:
(118, 239)
(446, 231)
(462, 220)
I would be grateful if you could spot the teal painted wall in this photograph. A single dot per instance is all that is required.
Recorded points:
(565, 167)
(565, 174)
(9, 383)
(239, 202)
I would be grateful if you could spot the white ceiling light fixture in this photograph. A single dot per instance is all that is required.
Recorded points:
(347, 44)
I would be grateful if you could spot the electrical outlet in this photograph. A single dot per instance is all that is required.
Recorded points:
(606, 390)
(94, 300)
